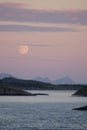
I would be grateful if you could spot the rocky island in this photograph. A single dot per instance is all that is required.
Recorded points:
(8, 91)
(84, 108)
(13, 91)
(81, 92)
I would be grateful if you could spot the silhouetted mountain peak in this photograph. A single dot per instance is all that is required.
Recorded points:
(64, 80)
(5, 75)
(43, 79)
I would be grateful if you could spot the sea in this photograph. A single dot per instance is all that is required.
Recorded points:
(53, 112)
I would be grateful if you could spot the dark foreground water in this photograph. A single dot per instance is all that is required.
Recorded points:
(42, 115)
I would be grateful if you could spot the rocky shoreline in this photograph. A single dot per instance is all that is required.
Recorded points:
(8, 91)
(84, 108)
(81, 92)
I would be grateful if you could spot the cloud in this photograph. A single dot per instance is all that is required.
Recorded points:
(45, 45)
(18, 12)
(32, 59)
(38, 45)
(24, 28)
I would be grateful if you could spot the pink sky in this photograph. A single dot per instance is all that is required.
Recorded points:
(54, 31)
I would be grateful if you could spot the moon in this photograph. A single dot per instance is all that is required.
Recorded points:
(23, 49)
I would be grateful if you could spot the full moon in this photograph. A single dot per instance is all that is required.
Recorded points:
(23, 49)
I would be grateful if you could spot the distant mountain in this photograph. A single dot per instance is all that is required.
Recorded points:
(36, 85)
(5, 75)
(43, 79)
(65, 80)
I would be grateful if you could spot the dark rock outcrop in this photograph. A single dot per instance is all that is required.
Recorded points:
(41, 94)
(81, 92)
(4, 91)
(84, 108)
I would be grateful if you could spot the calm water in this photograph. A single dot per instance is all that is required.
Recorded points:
(53, 112)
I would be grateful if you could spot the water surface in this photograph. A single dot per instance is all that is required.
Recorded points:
(54, 96)
(53, 112)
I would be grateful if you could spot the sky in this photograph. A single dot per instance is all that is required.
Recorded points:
(55, 32)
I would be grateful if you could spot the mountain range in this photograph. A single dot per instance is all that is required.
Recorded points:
(65, 83)
(5, 75)
(64, 80)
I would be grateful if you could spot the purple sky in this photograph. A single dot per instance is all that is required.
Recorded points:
(55, 32)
